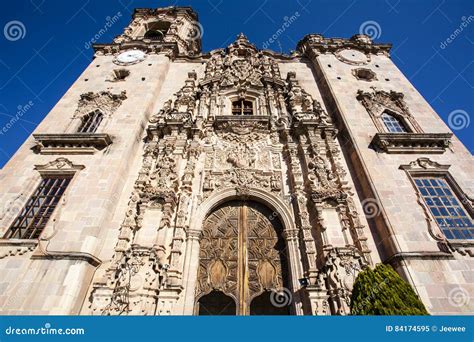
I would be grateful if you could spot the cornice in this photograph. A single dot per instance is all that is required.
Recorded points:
(185, 11)
(316, 43)
(412, 142)
(72, 143)
(151, 47)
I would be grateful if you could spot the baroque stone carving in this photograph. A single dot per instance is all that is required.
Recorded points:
(181, 37)
(302, 106)
(60, 165)
(104, 101)
(340, 271)
(195, 148)
(364, 74)
(377, 101)
(425, 164)
(133, 288)
(360, 42)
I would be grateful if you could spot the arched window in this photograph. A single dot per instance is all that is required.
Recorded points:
(393, 124)
(242, 107)
(157, 30)
(154, 35)
(90, 122)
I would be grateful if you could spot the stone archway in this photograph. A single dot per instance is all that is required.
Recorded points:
(278, 210)
(242, 256)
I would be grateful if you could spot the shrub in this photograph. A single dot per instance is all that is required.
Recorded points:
(382, 291)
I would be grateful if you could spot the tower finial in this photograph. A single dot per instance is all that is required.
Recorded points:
(242, 36)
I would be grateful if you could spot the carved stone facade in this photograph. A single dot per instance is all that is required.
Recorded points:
(179, 203)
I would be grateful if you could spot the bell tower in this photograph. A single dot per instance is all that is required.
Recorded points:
(171, 28)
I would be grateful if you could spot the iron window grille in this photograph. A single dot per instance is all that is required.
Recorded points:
(34, 216)
(90, 122)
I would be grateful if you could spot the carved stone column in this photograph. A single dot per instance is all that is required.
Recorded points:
(294, 255)
(191, 265)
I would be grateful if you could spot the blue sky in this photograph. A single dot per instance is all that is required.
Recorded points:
(43, 46)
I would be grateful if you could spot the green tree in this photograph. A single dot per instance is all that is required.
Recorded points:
(381, 291)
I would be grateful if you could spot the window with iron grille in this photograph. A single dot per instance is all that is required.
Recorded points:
(393, 124)
(35, 214)
(242, 107)
(445, 207)
(90, 122)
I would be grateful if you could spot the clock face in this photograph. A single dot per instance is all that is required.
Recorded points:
(130, 57)
(351, 56)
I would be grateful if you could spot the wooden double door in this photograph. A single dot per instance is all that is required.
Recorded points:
(243, 265)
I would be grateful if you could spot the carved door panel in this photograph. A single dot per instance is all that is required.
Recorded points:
(242, 255)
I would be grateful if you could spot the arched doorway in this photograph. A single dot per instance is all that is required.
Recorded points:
(243, 258)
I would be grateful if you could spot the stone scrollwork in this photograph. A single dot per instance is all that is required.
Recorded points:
(177, 38)
(360, 42)
(104, 101)
(342, 265)
(377, 101)
(132, 289)
(195, 149)
(414, 140)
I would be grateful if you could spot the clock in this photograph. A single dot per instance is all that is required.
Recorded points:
(352, 56)
(130, 57)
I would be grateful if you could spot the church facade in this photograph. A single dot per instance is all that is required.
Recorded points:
(168, 181)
